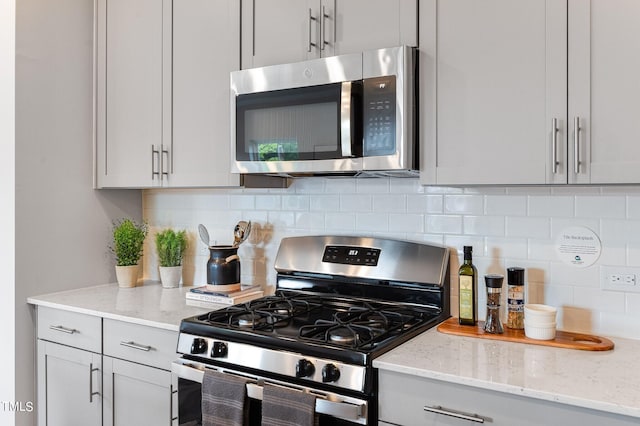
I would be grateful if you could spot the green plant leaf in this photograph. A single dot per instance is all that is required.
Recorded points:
(170, 247)
(128, 238)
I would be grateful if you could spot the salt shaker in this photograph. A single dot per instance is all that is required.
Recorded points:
(493, 282)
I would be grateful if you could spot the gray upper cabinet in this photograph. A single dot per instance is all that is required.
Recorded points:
(489, 100)
(604, 65)
(282, 31)
(162, 92)
(529, 91)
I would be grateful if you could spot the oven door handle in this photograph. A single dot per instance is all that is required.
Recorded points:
(340, 409)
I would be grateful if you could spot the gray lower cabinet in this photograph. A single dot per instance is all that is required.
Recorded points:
(136, 394)
(69, 368)
(411, 400)
(99, 371)
(69, 386)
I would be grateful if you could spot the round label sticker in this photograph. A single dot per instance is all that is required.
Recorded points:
(578, 246)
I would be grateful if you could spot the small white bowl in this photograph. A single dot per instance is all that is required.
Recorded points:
(539, 314)
(540, 333)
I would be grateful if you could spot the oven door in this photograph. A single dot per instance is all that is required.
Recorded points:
(333, 409)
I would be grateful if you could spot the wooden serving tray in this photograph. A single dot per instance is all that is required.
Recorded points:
(563, 339)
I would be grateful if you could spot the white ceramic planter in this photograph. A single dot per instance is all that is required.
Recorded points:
(170, 276)
(127, 276)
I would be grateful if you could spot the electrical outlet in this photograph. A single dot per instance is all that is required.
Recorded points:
(619, 278)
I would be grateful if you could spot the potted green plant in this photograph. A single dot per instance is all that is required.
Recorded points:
(170, 247)
(128, 237)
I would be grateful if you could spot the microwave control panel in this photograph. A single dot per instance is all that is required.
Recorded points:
(379, 116)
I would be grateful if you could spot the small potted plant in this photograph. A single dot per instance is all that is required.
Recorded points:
(128, 237)
(170, 246)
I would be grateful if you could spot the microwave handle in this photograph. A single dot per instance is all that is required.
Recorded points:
(345, 119)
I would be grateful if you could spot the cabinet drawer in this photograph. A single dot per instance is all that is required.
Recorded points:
(70, 328)
(139, 343)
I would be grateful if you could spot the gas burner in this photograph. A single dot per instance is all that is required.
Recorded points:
(249, 320)
(343, 336)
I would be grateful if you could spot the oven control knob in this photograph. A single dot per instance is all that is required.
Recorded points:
(219, 350)
(330, 373)
(305, 368)
(199, 346)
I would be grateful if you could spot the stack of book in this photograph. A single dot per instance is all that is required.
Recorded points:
(200, 295)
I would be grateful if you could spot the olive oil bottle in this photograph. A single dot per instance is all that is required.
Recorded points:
(467, 290)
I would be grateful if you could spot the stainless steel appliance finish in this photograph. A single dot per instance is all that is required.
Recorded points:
(359, 118)
(340, 302)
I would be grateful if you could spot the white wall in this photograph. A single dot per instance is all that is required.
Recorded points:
(7, 204)
(63, 226)
(515, 226)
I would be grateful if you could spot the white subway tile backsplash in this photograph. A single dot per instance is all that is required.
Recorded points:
(507, 226)
(484, 225)
(425, 204)
(554, 206)
(633, 207)
(390, 203)
(409, 223)
(464, 204)
(604, 207)
(268, 202)
(356, 202)
(506, 205)
(327, 203)
(528, 227)
(295, 202)
(443, 224)
(373, 222)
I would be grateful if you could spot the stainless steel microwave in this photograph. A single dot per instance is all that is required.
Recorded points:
(340, 115)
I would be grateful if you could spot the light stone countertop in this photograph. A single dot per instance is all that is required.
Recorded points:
(607, 381)
(147, 304)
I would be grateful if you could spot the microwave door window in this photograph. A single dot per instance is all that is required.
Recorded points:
(289, 125)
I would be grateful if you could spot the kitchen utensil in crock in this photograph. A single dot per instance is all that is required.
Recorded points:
(204, 234)
(241, 232)
(223, 268)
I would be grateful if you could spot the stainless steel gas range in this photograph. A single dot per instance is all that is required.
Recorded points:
(340, 302)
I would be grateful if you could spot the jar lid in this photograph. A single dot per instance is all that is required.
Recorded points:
(515, 276)
(493, 280)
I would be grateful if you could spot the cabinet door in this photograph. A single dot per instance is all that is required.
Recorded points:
(200, 147)
(278, 31)
(136, 395)
(130, 113)
(69, 386)
(604, 65)
(352, 26)
(492, 79)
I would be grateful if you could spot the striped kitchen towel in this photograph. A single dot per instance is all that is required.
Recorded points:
(285, 407)
(224, 400)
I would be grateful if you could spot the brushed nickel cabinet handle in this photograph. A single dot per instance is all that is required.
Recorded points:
(446, 412)
(137, 346)
(63, 329)
(165, 152)
(154, 153)
(576, 145)
(554, 145)
(323, 29)
(311, 19)
(91, 392)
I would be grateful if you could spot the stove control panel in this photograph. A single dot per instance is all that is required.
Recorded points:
(274, 361)
(351, 255)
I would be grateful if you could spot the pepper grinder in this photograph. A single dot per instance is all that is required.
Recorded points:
(493, 282)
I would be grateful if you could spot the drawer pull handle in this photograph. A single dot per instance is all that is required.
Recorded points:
(63, 329)
(91, 392)
(134, 345)
(446, 412)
